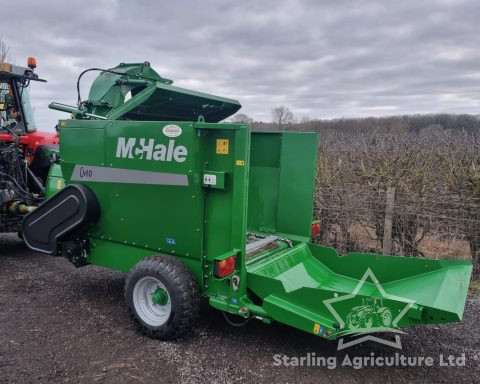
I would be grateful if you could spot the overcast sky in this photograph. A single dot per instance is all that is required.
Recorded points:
(322, 59)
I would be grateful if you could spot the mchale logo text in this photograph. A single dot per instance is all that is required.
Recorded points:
(147, 149)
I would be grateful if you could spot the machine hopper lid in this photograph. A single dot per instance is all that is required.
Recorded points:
(170, 103)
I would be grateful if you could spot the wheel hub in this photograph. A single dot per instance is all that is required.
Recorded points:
(160, 297)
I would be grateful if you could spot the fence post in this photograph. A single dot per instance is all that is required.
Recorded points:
(387, 227)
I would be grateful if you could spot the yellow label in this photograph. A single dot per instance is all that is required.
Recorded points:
(240, 162)
(5, 67)
(316, 328)
(63, 123)
(59, 184)
(222, 146)
(2, 106)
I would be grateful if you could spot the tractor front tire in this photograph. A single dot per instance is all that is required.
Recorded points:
(385, 318)
(353, 321)
(162, 297)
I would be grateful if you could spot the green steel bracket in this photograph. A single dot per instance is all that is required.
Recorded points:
(136, 82)
(415, 312)
(75, 112)
(134, 102)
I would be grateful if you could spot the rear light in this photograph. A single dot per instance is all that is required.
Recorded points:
(224, 267)
(315, 229)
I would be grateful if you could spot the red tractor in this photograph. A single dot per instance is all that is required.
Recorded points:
(25, 153)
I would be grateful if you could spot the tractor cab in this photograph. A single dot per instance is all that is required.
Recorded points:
(17, 123)
(25, 153)
(15, 106)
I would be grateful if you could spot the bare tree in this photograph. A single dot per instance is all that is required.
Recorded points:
(4, 51)
(282, 116)
(462, 157)
(241, 118)
(4, 57)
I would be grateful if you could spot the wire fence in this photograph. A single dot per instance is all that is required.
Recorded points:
(401, 195)
(355, 218)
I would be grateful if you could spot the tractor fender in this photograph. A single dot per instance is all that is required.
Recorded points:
(382, 309)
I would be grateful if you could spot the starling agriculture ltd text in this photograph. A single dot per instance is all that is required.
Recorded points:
(359, 362)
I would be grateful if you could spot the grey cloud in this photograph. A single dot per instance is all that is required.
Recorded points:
(320, 58)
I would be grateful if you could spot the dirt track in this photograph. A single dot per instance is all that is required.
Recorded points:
(61, 324)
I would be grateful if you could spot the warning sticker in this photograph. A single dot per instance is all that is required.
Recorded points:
(222, 146)
(318, 329)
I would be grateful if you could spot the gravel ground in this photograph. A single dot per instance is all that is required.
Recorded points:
(61, 324)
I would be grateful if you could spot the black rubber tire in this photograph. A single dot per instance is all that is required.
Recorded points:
(182, 289)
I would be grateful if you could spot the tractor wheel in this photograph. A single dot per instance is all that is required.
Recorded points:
(162, 297)
(353, 321)
(386, 318)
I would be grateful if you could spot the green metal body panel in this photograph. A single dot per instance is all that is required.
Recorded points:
(55, 180)
(122, 210)
(199, 191)
(144, 219)
(281, 183)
